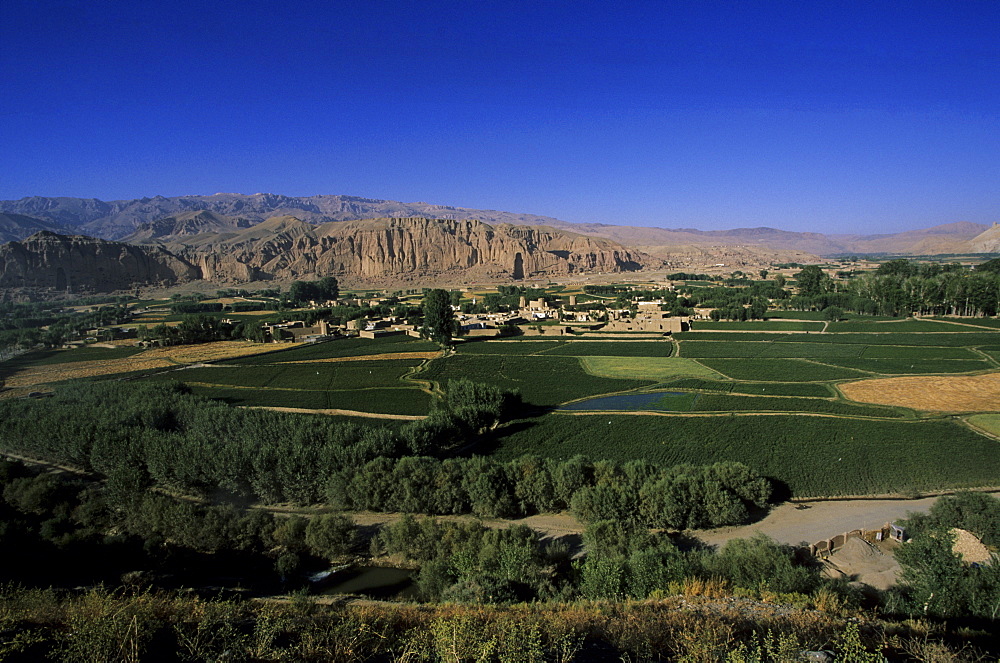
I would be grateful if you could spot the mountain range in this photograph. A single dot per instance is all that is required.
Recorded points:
(149, 219)
(82, 245)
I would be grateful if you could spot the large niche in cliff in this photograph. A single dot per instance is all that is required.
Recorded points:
(518, 271)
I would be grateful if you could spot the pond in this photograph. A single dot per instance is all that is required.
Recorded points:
(377, 582)
(667, 401)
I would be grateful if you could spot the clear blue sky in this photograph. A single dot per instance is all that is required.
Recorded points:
(835, 117)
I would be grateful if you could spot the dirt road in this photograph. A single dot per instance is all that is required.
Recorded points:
(812, 521)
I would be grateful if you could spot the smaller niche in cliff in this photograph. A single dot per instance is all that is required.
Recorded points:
(518, 272)
(62, 283)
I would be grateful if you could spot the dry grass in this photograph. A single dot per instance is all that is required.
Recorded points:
(937, 393)
(154, 358)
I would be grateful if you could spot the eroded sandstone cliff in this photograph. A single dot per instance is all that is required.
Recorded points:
(286, 248)
(83, 264)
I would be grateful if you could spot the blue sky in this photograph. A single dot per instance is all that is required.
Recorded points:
(832, 117)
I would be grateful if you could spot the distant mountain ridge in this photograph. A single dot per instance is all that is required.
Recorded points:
(118, 219)
(158, 218)
(18, 226)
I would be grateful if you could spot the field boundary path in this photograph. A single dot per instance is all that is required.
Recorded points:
(347, 413)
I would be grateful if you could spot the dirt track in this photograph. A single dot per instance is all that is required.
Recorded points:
(788, 523)
(812, 521)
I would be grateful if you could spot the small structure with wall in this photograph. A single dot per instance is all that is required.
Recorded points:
(827, 547)
(647, 320)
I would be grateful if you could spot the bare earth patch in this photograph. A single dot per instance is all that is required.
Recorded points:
(938, 393)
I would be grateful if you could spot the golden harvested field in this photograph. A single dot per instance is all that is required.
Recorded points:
(936, 393)
(35, 376)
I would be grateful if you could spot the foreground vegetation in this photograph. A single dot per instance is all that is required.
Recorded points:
(639, 594)
(103, 626)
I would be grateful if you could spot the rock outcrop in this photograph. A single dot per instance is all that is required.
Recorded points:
(409, 248)
(987, 242)
(76, 263)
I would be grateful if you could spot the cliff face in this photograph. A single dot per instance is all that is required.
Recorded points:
(287, 248)
(85, 264)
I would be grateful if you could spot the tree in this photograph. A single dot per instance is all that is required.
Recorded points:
(990, 266)
(329, 289)
(812, 281)
(439, 318)
(833, 313)
(330, 535)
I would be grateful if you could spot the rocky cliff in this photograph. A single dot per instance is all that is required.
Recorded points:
(83, 264)
(410, 248)
(989, 241)
(285, 248)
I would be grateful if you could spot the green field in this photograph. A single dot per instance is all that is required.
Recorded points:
(542, 380)
(916, 353)
(988, 422)
(662, 348)
(366, 386)
(728, 337)
(807, 389)
(646, 368)
(972, 338)
(775, 349)
(319, 376)
(992, 351)
(351, 347)
(797, 315)
(384, 401)
(759, 325)
(737, 403)
(911, 366)
(780, 370)
(993, 323)
(813, 455)
(907, 326)
(506, 347)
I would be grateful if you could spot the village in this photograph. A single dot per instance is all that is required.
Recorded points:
(536, 317)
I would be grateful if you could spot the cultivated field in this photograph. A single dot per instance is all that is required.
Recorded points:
(35, 371)
(352, 375)
(938, 393)
(810, 454)
(852, 411)
(771, 400)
